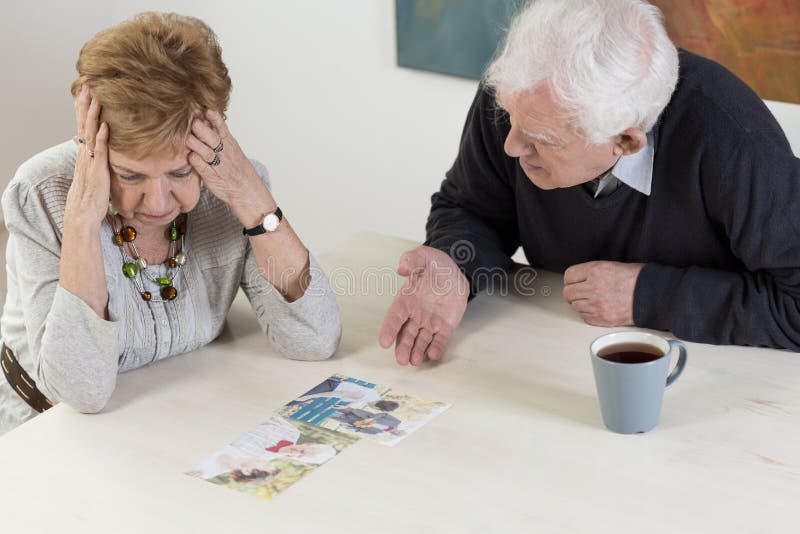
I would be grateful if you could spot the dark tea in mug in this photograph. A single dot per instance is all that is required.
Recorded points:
(630, 353)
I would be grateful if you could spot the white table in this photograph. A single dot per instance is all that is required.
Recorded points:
(522, 449)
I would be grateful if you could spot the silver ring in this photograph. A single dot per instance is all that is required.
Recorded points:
(214, 162)
(219, 147)
(81, 140)
(91, 152)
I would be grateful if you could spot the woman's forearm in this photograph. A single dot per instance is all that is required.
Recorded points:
(81, 269)
(281, 256)
(283, 261)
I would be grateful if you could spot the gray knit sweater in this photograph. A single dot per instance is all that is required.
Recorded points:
(74, 356)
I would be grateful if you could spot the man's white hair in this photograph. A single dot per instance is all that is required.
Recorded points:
(608, 63)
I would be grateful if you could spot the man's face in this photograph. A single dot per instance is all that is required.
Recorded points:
(550, 153)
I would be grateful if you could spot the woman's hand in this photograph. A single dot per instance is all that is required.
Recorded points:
(81, 269)
(226, 171)
(87, 199)
(228, 174)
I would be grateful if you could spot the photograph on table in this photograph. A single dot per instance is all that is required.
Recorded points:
(271, 457)
(362, 409)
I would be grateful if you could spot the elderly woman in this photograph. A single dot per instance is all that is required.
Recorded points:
(128, 244)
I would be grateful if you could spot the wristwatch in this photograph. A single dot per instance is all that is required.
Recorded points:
(268, 224)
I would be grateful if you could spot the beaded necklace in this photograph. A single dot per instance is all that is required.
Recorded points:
(135, 266)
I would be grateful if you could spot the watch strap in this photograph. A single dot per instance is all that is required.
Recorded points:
(259, 228)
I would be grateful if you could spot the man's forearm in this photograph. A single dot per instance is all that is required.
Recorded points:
(712, 306)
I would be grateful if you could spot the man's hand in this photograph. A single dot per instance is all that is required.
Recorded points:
(602, 291)
(427, 309)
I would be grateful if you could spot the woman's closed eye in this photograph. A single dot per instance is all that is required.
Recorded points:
(136, 177)
(183, 174)
(129, 177)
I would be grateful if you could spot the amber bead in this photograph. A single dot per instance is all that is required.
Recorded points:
(118, 240)
(129, 233)
(168, 292)
(146, 296)
(171, 263)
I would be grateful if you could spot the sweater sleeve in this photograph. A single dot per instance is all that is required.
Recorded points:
(309, 328)
(473, 216)
(74, 351)
(756, 202)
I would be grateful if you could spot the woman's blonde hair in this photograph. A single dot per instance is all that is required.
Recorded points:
(153, 74)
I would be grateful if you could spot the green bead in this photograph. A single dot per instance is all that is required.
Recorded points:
(165, 281)
(130, 270)
(173, 234)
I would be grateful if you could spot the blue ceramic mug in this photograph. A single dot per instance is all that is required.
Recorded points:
(631, 372)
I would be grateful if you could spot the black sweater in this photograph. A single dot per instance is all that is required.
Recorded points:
(719, 233)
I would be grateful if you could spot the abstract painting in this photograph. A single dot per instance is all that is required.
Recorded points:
(758, 40)
(457, 37)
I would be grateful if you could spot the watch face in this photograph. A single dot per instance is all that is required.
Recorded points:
(271, 222)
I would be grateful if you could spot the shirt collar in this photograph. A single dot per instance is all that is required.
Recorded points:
(636, 170)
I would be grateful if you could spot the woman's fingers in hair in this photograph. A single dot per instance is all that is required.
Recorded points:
(200, 165)
(81, 104)
(199, 147)
(205, 133)
(218, 121)
(101, 145)
(91, 125)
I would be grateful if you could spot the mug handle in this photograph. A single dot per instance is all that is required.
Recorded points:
(673, 376)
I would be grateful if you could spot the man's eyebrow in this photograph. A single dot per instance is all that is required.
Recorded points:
(543, 137)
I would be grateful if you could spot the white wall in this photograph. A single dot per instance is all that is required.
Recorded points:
(39, 43)
(352, 141)
(788, 116)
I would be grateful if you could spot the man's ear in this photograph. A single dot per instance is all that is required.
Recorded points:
(629, 142)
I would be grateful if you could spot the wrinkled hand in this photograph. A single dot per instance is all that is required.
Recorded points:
(427, 309)
(87, 199)
(233, 180)
(602, 291)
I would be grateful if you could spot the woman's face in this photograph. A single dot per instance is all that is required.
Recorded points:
(151, 192)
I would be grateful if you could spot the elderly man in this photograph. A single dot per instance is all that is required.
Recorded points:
(656, 180)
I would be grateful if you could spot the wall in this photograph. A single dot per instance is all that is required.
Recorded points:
(39, 43)
(347, 135)
(352, 141)
(788, 116)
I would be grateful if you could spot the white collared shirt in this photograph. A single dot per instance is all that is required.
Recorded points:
(634, 170)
